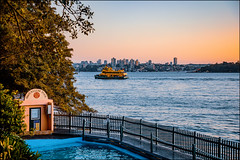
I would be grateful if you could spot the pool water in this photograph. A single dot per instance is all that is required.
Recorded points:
(75, 148)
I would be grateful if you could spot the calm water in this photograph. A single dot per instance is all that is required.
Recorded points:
(75, 148)
(203, 102)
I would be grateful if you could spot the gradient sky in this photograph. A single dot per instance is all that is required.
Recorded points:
(194, 32)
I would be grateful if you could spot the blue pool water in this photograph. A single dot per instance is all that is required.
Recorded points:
(75, 148)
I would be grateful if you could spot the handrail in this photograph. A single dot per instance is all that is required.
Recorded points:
(204, 146)
(207, 154)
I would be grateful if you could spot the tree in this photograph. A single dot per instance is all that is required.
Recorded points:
(13, 147)
(34, 52)
(222, 67)
(11, 115)
(11, 125)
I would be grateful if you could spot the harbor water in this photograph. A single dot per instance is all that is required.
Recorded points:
(204, 102)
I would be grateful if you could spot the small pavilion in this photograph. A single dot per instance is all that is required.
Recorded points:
(38, 112)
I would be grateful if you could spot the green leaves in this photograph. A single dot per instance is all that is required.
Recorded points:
(34, 52)
(11, 116)
(13, 147)
(11, 124)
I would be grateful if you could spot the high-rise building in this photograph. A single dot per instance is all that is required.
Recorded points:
(175, 60)
(127, 61)
(131, 63)
(83, 64)
(137, 62)
(149, 62)
(113, 62)
(99, 62)
(105, 62)
(118, 61)
(124, 61)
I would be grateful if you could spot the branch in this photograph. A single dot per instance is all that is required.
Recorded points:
(24, 20)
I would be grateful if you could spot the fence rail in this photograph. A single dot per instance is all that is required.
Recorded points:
(151, 134)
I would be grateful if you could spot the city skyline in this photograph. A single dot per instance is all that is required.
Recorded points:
(133, 65)
(125, 60)
(108, 61)
(199, 32)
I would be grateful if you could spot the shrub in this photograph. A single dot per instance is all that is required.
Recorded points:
(11, 115)
(13, 147)
(11, 124)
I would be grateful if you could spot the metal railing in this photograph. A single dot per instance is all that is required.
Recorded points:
(152, 134)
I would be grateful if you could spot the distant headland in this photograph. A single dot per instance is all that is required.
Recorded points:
(223, 68)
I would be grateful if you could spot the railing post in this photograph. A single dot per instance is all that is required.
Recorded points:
(219, 147)
(90, 125)
(156, 133)
(108, 127)
(238, 150)
(151, 145)
(69, 122)
(121, 133)
(194, 137)
(83, 132)
(140, 128)
(123, 119)
(173, 137)
(194, 151)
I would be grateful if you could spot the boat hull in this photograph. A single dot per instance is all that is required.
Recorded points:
(104, 77)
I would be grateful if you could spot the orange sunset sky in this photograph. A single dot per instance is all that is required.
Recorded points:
(194, 32)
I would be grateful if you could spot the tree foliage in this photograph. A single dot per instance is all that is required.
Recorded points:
(11, 124)
(13, 147)
(223, 67)
(11, 115)
(34, 52)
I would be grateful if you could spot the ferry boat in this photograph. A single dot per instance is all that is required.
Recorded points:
(109, 73)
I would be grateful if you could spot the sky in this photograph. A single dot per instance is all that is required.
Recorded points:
(197, 32)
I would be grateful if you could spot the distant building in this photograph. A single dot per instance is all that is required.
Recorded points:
(121, 63)
(118, 61)
(113, 62)
(83, 64)
(124, 61)
(137, 63)
(151, 67)
(127, 61)
(105, 62)
(131, 64)
(99, 62)
(149, 62)
(175, 60)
